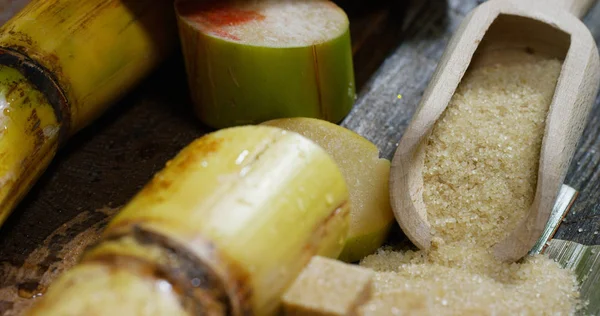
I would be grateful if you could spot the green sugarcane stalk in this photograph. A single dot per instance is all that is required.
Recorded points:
(235, 83)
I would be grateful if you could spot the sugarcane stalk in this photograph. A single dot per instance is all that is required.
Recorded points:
(81, 56)
(223, 229)
(28, 135)
(245, 68)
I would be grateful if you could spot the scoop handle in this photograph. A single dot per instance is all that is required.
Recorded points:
(578, 8)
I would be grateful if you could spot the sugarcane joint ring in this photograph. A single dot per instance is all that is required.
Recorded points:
(203, 291)
(45, 83)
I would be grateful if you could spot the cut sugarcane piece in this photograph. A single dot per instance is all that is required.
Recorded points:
(130, 291)
(251, 61)
(94, 50)
(366, 175)
(228, 225)
(76, 58)
(328, 287)
(28, 136)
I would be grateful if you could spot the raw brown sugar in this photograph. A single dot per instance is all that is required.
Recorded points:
(463, 281)
(480, 174)
(482, 157)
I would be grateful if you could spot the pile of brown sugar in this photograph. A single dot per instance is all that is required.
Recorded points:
(480, 175)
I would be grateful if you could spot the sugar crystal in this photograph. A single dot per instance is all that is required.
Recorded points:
(479, 176)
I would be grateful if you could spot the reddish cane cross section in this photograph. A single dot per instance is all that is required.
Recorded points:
(213, 17)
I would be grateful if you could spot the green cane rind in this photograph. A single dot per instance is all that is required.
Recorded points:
(336, 74)
(237, 84)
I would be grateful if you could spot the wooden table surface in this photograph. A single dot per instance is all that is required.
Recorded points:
(396, 43)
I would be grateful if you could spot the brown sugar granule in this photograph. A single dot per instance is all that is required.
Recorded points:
(482, 156)
(479, 176)
(462, 281)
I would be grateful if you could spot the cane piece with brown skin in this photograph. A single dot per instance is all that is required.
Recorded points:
(69, 60)
(223, 229)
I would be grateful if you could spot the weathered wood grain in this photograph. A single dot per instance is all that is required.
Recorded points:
(379, 114)
(55, 255)
(9, 7)
(583, 223)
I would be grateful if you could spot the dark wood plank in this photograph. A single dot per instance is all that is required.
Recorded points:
(583, 223)
(376, 30)
(379, 114)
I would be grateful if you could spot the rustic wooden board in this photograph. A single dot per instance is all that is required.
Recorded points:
(583, 223)
(396, 47)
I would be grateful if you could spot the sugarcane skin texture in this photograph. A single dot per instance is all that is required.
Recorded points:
(367, 177)
(184, 203)
(94, 289)
(123, 267)
(282, 202)
(170, 262)
(29, 134)
(97, 50)
(235, 84)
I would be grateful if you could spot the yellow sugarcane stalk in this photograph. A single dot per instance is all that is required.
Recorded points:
(223, 230)
(28, 135)
(80, 56)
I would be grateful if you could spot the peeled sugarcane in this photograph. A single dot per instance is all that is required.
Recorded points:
(224, 229)
(251, 61)
(62, 63)
(366, 175)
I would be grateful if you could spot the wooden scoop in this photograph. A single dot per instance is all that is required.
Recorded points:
(488, 35)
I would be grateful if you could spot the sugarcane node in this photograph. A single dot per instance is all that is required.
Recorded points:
(45, 83)
(203, 290)
(151, 270)
(196, 297)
